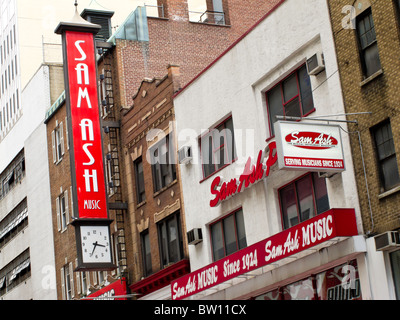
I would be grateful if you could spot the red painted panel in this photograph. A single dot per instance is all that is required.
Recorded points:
(85, 121)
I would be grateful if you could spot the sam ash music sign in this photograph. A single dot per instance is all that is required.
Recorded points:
(85, 124)
(311, 147)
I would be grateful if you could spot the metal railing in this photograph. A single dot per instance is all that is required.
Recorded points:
(212, 17)
(160, 11)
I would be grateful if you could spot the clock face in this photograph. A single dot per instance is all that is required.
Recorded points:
(95, 243)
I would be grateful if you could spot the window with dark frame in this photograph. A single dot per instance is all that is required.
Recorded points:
(162, 164)
(228, 235)
(13, 223)
(368, 45)
(218, 148)
(291, 97)
(57, 136)
(14, 273)
(303, 199)
(146, 253)
(386, 156)
(170, 240)
(67, 281)
(139, 179)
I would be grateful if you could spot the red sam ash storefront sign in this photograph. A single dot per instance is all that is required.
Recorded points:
(114, 291)
(309, 147)
(252, 174)
(326, 226)
(85, 123)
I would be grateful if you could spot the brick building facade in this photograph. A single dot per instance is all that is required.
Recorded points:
(174, 39)
(123, 64)
(367, 41)
(153, 185)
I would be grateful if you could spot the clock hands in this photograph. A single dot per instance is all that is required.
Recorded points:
(96, 244)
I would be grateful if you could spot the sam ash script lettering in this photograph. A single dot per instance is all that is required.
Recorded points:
(326, 226)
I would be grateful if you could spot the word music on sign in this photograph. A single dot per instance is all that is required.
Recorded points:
(85, 123)
(331, 224)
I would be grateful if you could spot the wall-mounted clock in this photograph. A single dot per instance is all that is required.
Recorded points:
(93, 245)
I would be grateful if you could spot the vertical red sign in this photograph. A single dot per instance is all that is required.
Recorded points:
(85, 123)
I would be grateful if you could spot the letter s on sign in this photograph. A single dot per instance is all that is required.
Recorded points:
(83, 54)
(214, 185)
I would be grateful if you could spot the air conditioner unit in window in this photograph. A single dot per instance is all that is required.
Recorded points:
(316, 64)
(185, 154)
(194, 236)
(387, 241)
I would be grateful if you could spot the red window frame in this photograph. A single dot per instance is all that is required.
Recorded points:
(311, 176)
(234, 213)
(285, 103)
(208, 135)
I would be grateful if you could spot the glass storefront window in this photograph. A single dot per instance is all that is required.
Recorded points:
(338, 283)
(395, 262)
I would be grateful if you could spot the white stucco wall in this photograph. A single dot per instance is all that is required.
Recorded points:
(236, 85)
(35, 100)
(30, 134)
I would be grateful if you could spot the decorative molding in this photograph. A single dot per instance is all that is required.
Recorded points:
(169, 209)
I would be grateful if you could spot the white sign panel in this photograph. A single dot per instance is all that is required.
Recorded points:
(309, 146)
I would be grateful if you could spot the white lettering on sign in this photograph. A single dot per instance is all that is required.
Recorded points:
(82, 67)
(311, 140)
(291, 244)
(89, 185)
(183, 291)
(109, 295)
(83, 94)
(87, 124)
(86, 150)
(81, 51)
(231, 267)
(207, 277)
(91, 204)
(87, 177)
(317, 231)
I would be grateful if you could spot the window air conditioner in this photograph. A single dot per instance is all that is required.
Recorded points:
(185, 154)
(194, 236)
(316, 64)
(387, 241)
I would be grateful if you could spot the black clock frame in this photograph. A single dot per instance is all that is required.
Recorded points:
(91, 266)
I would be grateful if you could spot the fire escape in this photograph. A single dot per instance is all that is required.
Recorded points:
(111, 127)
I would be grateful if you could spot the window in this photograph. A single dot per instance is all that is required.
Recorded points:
(67, 282)
(16, 272)
(139, 179)
(13, 223)
(303, 199)
(146, 253)
(292, 97)
(84, 277)
(395, 263)
(162, 164)
(170, 240)
(228, 235)
(14, 173)
(338, 283)
(62, 209)
(386, 154)
(368, 44)
(57, 137)
(210, 11)
(217, 148)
